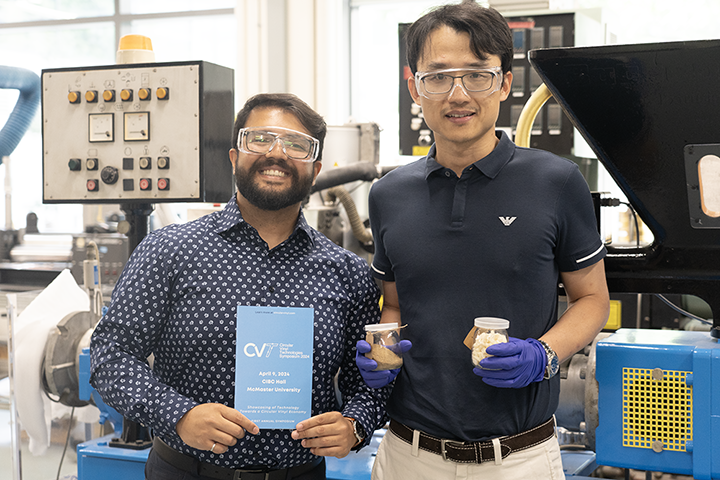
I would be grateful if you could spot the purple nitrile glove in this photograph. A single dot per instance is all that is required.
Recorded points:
(515, 364)
(379, 378)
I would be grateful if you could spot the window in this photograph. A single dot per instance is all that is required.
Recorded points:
(41, 34)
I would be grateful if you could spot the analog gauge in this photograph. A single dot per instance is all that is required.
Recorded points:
(137, 126)
(101, 127)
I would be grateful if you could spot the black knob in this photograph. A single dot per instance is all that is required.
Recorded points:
(109, 175)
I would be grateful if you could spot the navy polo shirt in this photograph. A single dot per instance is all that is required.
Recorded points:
(489, 243)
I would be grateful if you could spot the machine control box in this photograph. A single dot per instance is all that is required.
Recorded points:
(137, 133)
(114, 252)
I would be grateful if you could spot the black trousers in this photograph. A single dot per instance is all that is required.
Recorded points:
(158, 469)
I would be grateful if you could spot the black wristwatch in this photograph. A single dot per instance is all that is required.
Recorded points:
(358, 430)
(553, 363)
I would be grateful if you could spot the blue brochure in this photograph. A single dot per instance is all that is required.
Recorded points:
(273, 365)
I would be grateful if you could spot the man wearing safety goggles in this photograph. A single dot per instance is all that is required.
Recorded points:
(178, 299)
(478, 228)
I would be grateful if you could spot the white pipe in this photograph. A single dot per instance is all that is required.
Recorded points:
(14, 419)
(8, 195)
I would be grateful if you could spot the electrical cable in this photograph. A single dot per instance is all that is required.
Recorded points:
(680, 310)
(67, 441)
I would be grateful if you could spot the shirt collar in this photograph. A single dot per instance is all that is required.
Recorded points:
(490, 165)
(230, 216)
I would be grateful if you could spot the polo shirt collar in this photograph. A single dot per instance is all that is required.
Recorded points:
(490, 166)
(230, 216)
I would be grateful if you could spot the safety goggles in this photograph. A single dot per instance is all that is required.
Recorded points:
(295, 145)
(485, 81)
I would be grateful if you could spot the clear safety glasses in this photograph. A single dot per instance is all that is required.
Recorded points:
(261, 140)
(485, 80)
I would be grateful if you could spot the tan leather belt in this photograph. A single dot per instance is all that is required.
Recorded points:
(193, 465)
(476, 452)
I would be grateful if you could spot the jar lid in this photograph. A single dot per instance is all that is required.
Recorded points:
(378, 327)
(492, 323)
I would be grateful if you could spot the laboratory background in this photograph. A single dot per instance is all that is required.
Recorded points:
(651, 160)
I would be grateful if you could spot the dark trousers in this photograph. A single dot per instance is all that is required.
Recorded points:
(158, 469)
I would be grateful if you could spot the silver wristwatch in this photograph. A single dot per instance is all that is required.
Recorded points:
(553, 363)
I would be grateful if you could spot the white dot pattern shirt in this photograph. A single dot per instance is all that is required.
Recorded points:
(177, 299)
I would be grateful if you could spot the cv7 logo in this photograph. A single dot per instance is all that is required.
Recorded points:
(251, 350)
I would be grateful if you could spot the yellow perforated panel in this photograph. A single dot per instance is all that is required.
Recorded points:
(657, 409)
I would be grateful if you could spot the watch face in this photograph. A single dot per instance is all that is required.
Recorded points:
(554, 365)
(359, 431)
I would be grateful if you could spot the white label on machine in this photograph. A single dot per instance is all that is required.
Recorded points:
(709, 176)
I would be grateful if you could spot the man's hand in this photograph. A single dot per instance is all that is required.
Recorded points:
(515, 364)
(327, 435)
(379, 378)
(213, 424)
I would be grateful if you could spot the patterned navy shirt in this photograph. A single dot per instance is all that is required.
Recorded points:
(177, 299)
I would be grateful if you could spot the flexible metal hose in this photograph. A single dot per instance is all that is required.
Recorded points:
(363, 234)
(19, 120)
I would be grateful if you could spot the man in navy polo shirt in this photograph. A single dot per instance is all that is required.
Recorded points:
(479, 228)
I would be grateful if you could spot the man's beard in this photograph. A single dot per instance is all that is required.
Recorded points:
(266, 199)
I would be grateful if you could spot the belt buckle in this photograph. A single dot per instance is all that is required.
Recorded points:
(240, 475)
(442, 449)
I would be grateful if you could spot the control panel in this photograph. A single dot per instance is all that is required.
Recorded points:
(137, 133)
(551, 130)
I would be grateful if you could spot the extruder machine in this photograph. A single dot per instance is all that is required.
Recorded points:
(650, 113)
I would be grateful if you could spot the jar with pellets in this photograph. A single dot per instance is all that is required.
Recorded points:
(384, 339)
(488, 331)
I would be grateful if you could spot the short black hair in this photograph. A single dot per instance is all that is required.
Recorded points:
(310, 119)
(489, 32)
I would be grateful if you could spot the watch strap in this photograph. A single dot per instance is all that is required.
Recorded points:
(553, 364)
(358, 430)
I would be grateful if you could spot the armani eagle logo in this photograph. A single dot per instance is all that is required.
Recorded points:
(507, 221)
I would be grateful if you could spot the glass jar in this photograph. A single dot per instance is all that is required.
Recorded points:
(384, 339)
(488, 331)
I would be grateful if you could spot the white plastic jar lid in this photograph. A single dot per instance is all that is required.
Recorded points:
(492, 323)
(378, 327)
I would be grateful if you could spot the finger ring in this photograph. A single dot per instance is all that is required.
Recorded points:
(213, 448)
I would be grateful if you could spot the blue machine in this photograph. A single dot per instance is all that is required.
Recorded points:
(659, 402)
